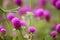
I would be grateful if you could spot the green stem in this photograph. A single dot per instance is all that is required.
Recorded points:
(21, 34)
(58, 16)
(58, 38)
(11, 10)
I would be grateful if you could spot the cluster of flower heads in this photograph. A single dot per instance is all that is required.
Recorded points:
(56, 3)
(37, 13)
(42, 13)
(55, 30)
(16, 22)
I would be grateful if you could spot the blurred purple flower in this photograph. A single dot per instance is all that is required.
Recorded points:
(23, 23)
(58, 28)
(53, 26)
(10, 16)
(16, 23)
(3, 30)
(53, 34)
(38, 13)
(23, 10)
(53, 2)
(47, 15)
(31, 29)
(17, 2)
(41, 3)
(58, 5)
(1, 27)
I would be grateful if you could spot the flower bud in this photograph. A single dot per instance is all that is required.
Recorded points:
(53, 34)
(58, 5)
(53, 26)
(3, 30)
(38, 13)
(47, 16)
(31, 29)
(10, 16)
(17, 2)
(53, 2)
(58, 28)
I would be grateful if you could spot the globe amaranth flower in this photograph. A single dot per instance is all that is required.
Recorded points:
(18, 2)
(53, 34)
(3, 30)
(31, 29)
(38, 13)
(53, 2)
(47, 15)
(10, 16)
(23, 10)
(16, 23)
(23, 23)
(58, 28)
(53, 26)
(58, 5)
(1, 27)
(41, 3)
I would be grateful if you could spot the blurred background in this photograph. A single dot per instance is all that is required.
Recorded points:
(42, 27)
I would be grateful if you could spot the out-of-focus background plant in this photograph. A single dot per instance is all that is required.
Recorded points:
(29, 20)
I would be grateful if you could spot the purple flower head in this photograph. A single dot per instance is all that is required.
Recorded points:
(47, 15)
(10, 16)
(58, 28)
(3, 30)
(38, 13)
(16, 23)
(53, 27)
(23, 23)
(23, 10)
(1, 27)
(53, 2)
(17, 2)
(58, 5)
(53, 34)
(31, 29)
(41, 3)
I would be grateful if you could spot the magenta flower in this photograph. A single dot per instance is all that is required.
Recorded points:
(58, 28)
(23, 10)
(1, 27)
(41, 3)
(53, 2)
(47, 15)
(38, 13)
(23, 23)
(58, 5)
(3, 30)
(53, 34)
(10, 16)
(31, 29)
(53, 26)
(17, 2)
(16, 23)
